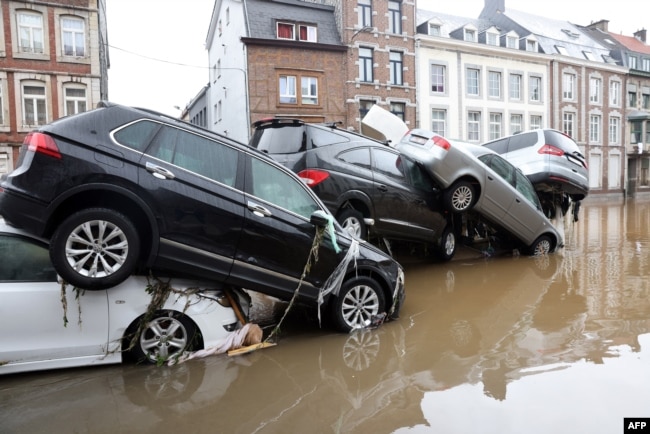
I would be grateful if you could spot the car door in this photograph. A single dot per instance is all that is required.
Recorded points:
(277, 235)
(524, 216)
(400, 210)
(32, 310)
(192, 183)
(498, 192)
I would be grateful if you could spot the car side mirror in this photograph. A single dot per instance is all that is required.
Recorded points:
(319, 219)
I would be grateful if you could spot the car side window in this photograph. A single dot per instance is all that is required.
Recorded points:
(24, 261)
(520, 141)
(197, 154)
(526, 189)
(277, 187)
(136, 135)
(418, 178)
(498, 146)
(320, 137)
(504, 169)
(388, 163)
(359, 157)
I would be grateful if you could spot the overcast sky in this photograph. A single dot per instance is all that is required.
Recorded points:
(157, 47)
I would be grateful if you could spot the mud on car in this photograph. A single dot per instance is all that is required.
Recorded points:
(119, 190)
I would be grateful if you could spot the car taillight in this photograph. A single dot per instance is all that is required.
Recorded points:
(42, 143)
(551, 150)
(313, 177)
(442, 142)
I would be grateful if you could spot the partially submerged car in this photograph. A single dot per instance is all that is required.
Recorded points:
(106, 326)
(372, 189)
(474, 178)
(119, 190)
(549, 158)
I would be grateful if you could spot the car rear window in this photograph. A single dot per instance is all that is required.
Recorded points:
(288, 139)
(521, 141)
(499, 146)
(136, 135)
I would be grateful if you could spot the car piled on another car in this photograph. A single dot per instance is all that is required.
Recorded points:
(104, 326)
(476, 179)
(119, 190)
(372, 189)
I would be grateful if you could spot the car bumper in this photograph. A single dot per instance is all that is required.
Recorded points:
(22, 211)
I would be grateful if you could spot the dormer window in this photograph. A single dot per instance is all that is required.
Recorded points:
(305, 32)
(511, 42)
(470, 35)
(434, 29)
(531, 45)
(492, 38)
(562, 50)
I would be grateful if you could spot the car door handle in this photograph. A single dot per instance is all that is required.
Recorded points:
(159, 172)
(258, 210)
(382, 188)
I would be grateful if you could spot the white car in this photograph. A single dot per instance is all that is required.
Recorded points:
(101, 324)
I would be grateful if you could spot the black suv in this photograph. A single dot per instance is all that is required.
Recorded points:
(119, 190)
(372, 189)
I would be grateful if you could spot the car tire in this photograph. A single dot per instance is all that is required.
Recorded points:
(357, 303)
(446, 247)
(167, 335)
(460, 197)
(542, 246)
(352, 221)
(82, 261)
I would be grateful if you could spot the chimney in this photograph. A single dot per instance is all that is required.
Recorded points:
(601, 25)
(640, 35)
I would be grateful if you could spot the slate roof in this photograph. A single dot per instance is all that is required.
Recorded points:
(449, 23)
(263, 14)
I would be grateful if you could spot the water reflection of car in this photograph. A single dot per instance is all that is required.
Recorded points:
(119, 190)
(371, 189)
(104, 326)
(474, 178)
(549, 158)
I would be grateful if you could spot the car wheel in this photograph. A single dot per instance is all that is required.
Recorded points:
(95, 248)
(460, 196)
(541, 246)
(359, 300)
(165, 336)
(446, 248)
(352, 221)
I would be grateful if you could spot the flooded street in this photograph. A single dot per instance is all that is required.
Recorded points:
(506, 344)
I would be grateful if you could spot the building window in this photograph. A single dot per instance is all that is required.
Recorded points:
(515, 86)
(364, 107)
(395, 17)
(495, 126)
(562, 50)
(614, 131)
(492, 38)
(434, 29)
(589, 55)
(288, 90)
(535, 89)
(568, 86)
(34, 104)
(636, 132)
(595, 87)
(645, 101)
(286, 31)
(568, 124)
(473, 82)
(615, 93)
(516, 123)
(494, 84)
(365, 13)
(396, 68)
(594, 128)
(30, 32)
(474, 126)
(73, 36)
(75, 100)
(398, 109)
(645, 64)
(531, 45)
(437, 78)
(511, 41)
(309, 90)
(365, 64)
(631, 99)
(439, 121)
(535, 122)
(632, 60)
(307, 33)
(470, 35)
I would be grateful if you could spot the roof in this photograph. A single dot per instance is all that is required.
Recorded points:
(263, 15)
(631, 43)
(450, 23)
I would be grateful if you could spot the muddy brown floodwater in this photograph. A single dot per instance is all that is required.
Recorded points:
(504, 344)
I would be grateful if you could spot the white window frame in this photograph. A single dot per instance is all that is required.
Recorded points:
(36, 100)
(568, 86)
(496, 125)
(534, 124)
(569, 123)
(473, 126)
(535, 88)
(80, 103)
(516, 123)
(614, 130)
(77, 35)
(514, 86)
(288, 92)
(309, 90)
(615, 93)
(283, 23)
(312, 33)
(473, 81)
(494, 84)
(33, 31)
(595, 127)
(595, 89)
(438, 80)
